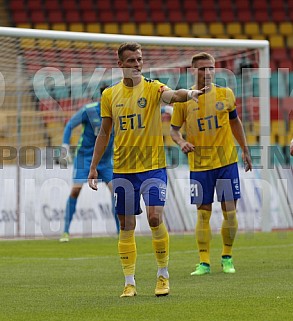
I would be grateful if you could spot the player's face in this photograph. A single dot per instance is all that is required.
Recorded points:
(131, 63)
(205, 72)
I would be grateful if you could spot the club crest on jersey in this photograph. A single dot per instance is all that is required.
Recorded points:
(142, 102)
(220, 105)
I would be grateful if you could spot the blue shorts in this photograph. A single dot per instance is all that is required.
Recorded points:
(225, 180)
(127, 188)
(81, 167)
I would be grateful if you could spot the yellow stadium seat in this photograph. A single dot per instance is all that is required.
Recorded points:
(289, 41)
(63, 43)
(45, 43)
(286, 28)
(199, 29)
(234, 28)
(216, 28)
(269, 28)
(258, 37)
(251, 28)
(27, 43)
(111, 27)
(24, 25)
(222, 36)
(163, 29)
(93, 27)
(182, 29)
(277, 41)
(146, 29)
(59, 26)
(77, 27)
(43, 26)
(128, 28)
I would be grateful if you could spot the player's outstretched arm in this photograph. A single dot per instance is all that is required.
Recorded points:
(176, 135)
(100, 147)
(238, 132)
(181, 95)
(291, 147)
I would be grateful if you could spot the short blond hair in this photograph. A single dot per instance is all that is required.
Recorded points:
(201, 56)
(132, 46)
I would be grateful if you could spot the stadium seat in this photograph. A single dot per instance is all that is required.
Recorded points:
(175, 16)
(128, 28)
(111, 27)
(140, 16)
(104, 5)
(227, 16)
(191, 15)
(289, 41)
(163, 29)
(59, 26)
(137, 5)
(146, 29)
(279, 16)
(189, 5)
(42, 25)
(106, 16)
(216, 28)
(120, 5)
(20, 17)
(208, 4)
(52, 5)
(25, 25)
(87, 5)
(158, 16)
(72, 16)
(69, 5)
(279, 53)
(234, 28)
(199, 29)
(210, 15)
(16, 5)
(89, 16)
(244, 15)
(286, 28)
(269, 28)
(251, 28)
(55, 16)
(37, 16)
(155, 5)
(122, 16)
(76, 27)
(277, 41)
(93, 27)
(182, 29)
(34, 5)
(174, 5)
(261, 15)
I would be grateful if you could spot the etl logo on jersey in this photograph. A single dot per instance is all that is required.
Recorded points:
(142, 102)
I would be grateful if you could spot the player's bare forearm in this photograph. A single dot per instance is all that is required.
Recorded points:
(181, 95)
(176, 135)
(238, 132)
(291, 147)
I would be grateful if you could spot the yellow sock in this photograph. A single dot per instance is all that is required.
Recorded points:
(127, 251)
(228, 231)
(203, 235)
(161, 245)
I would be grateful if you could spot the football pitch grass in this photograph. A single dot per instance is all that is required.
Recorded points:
(44, 280)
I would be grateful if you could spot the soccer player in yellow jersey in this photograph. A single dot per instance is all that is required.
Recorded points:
(132, 106)
(211, 124)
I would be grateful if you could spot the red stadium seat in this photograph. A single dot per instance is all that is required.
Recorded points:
(279, 15)
(190, 4)
(158, 16)
(137, 5)
(86, 5)
(69, 5)
(107, 16)
(38, 16)
(20, 17)
(52, 5)
(174, 5)
(244, 15)
(34, 5)
(104, 5)
(140, 16)
(191, 16)
(122, 16)
(279, 53)
(55, 16)
(261, 16)
(227, 16)
(89, 16)
(155, 5)
(119, 5)
(175, 16)
(72, 16)
(210, 15)
(17, 5)
(208, 4)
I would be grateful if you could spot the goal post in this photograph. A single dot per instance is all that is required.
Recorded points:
(47, 75)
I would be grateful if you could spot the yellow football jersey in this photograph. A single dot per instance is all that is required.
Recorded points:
(208, 128)
(136, 114)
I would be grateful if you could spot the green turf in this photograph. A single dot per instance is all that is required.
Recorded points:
(44, 280)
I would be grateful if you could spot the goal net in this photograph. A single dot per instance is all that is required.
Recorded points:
(46, 76)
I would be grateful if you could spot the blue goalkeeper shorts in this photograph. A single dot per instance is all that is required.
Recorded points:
(128, 188)
(225, 180)
(81, 168)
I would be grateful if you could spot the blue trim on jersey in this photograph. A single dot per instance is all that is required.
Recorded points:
(233, 114)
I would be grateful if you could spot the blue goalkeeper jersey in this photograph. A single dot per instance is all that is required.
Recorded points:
(89, 117)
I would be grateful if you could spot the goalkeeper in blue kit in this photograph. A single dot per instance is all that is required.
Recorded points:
(89, 117)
